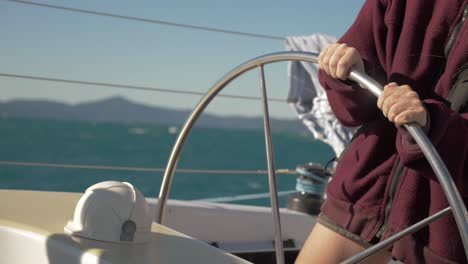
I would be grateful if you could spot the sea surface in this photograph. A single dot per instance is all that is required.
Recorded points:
(142, 145)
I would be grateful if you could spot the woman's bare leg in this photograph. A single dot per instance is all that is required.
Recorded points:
(326, 246)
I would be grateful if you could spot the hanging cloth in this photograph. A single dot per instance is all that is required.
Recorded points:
(307, 97)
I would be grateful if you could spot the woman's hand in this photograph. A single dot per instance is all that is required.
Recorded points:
(338, 59)
(401, 105)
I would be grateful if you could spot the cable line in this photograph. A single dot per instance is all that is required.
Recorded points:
(146, 169)
(234, 198)
(147, 20)
(128, 86)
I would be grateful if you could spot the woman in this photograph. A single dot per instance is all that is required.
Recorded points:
(383, 183)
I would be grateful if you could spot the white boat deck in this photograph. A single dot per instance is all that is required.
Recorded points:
(32, 231)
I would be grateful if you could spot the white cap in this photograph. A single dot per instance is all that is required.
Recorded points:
(112, 211)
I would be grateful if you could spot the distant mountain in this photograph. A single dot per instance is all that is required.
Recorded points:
(120, 110)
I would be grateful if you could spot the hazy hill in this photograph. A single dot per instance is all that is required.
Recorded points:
(120, 110)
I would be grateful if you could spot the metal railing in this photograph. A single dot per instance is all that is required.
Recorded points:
(456, 203)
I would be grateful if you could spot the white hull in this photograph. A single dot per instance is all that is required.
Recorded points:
(235, 228)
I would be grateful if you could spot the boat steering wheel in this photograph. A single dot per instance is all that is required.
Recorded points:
(456, 203)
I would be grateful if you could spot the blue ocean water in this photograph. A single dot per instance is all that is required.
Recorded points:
(139, 145)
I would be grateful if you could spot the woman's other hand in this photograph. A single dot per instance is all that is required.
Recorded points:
(338, 59)
(401, 105)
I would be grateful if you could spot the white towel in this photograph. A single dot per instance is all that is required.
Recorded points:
(308, 98)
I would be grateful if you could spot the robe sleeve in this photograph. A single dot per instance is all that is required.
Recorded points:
(449, 135)
(353, 105)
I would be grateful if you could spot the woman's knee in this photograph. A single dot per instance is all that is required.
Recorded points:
(327, 246)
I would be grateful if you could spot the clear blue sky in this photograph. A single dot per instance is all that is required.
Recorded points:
(58, 44)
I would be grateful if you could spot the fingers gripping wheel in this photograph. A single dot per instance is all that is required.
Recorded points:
(113, 212)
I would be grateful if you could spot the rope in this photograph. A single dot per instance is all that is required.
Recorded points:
(310, 183)
(128, 86)
(146, 20)
(125, 168)
(311, 175)
(310, 187)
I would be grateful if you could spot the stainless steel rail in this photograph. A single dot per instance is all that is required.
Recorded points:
(389, 241)
(446, 181)
(271, 171)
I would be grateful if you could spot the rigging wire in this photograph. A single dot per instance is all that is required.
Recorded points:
(234, 198)
(146, 169)
(147, 20)
(154, 21)
(133, 87)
